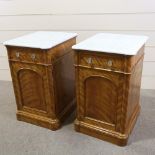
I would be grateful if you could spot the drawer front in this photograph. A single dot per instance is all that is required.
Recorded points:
(102, 61)
(27, 55)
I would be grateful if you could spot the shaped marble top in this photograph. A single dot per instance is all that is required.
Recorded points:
(113, 43)
(41, 39)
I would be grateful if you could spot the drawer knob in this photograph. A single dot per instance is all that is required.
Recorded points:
(110, 63)
(33, 56)
(89, 60)
(17, 54)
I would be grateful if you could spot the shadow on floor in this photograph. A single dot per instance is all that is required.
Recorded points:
(70, 119)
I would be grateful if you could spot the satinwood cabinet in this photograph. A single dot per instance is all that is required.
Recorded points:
(108, 79)
(42, 72)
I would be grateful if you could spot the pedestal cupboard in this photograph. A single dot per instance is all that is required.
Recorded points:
(108, 78)
(42, 72)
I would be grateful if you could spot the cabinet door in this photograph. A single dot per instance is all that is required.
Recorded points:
(30, 84)
(97, 96)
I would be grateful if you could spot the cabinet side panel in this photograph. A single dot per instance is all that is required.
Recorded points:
(134, 92)
(64, 79)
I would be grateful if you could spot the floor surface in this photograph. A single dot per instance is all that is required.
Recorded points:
(19, 138)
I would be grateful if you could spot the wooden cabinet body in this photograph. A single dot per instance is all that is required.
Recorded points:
(43, 81)
(108, 92)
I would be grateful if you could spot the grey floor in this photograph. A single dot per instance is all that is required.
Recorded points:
(19, 138)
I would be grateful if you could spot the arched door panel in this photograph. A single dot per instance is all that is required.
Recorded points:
(100, 99)
(98, 94)
(31, 88)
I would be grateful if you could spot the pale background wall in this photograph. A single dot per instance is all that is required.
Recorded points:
(86, 17)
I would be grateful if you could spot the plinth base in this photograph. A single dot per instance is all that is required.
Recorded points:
(105, 134)
(46, 122)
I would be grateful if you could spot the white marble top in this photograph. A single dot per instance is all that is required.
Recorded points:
(41, 39)
(113, 43)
